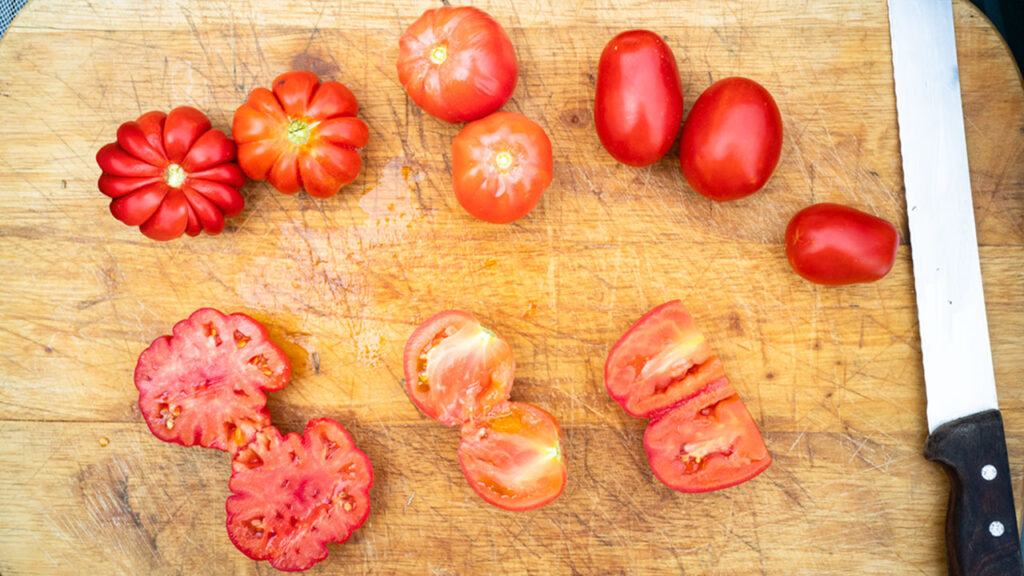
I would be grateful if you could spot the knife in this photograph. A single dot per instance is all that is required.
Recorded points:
(964, 424)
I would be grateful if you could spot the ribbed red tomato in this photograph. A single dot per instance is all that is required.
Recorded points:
(457, 63)
(731, 140)
(170, 174)
(833, 244)
(638, 108)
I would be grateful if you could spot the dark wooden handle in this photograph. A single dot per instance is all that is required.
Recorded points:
(981, 524)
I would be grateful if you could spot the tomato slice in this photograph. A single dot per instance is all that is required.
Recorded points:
(513, 458)
(293, 494)
(660, 361)
(204, 385)
(455, 369)
(701, 448)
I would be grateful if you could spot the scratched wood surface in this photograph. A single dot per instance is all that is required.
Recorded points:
(832, 375)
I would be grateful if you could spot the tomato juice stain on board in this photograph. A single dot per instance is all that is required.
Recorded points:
(391, 206)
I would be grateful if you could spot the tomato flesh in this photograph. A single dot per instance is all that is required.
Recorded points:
(513, 458)
(732, 140)
(457, 63)
(501, 165)
(638, 107)
(698, 449)
(204, 385)
(457, 370)
(293, 494)
(834, 245)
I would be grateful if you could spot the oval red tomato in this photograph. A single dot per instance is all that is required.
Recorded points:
(204, 385)
(301, 135)
(731, 140)
(701, 448)
(292, 494)
(513, 458)
(170, 174)
(500, 166)
(457, 63)
(834, 244)
(638, 109)
(455, 369)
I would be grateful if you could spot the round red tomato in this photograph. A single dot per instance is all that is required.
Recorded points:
(455, 369)
(301, 135)
(731, 140)
(292, 494)
(501, 165)
(698, 448)
(204, 385)
(639, 104)
(834, 244)
(513, 459)
(170, 174)
(457, 63)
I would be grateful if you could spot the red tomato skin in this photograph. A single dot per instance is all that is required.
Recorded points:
(731, 140)
(491, 193)
(478, 75)
(140, 168)
(638, 108)
(834, 245)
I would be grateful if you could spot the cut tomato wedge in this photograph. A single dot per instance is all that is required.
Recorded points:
(698, 449)
(293, 494)
(660, 361)
(455, 369)
(204, 385)
(513, 457)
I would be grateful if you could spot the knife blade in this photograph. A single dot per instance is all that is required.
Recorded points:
(965, 426)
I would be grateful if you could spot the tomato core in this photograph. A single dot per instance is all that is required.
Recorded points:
(298, 131)
(438, 54)
(174, 176)
(503, 160)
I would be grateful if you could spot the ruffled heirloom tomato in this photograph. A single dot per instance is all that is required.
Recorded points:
(170, 174)
(501, 165)
(833, 244)
(457, 64)
(301, 135)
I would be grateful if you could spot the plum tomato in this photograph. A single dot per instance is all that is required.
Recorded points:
(170, 174)
(455, 369)
(204, 384)
(660, 361)
(513, 458)
(833, 244)
(501, 165)
(302, 135)
(293, 494)
(638, 108)
(731, 140)
(457, 63)
(698, 448)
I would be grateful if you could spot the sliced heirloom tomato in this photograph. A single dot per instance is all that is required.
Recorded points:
(204, 385)
(301, 135)
(699, 449)
(170, 174)
(513, 457)
(457, 63)
(293, 494)
(501, 165)
(456, 369)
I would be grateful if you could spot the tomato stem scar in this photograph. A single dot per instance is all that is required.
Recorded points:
(298, 131)
(503, 160)
(438, 54)
(174, 175)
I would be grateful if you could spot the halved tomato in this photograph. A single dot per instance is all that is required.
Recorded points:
(205, 383)
(513, 458)
(698, 449)
(660, 361)
(455, 369)
(293, 494)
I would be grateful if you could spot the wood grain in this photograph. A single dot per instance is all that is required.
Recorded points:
(832, 375)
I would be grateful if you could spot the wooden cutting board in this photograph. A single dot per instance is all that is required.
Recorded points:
(832, 375)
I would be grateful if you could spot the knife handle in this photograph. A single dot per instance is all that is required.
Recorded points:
(981, 523)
